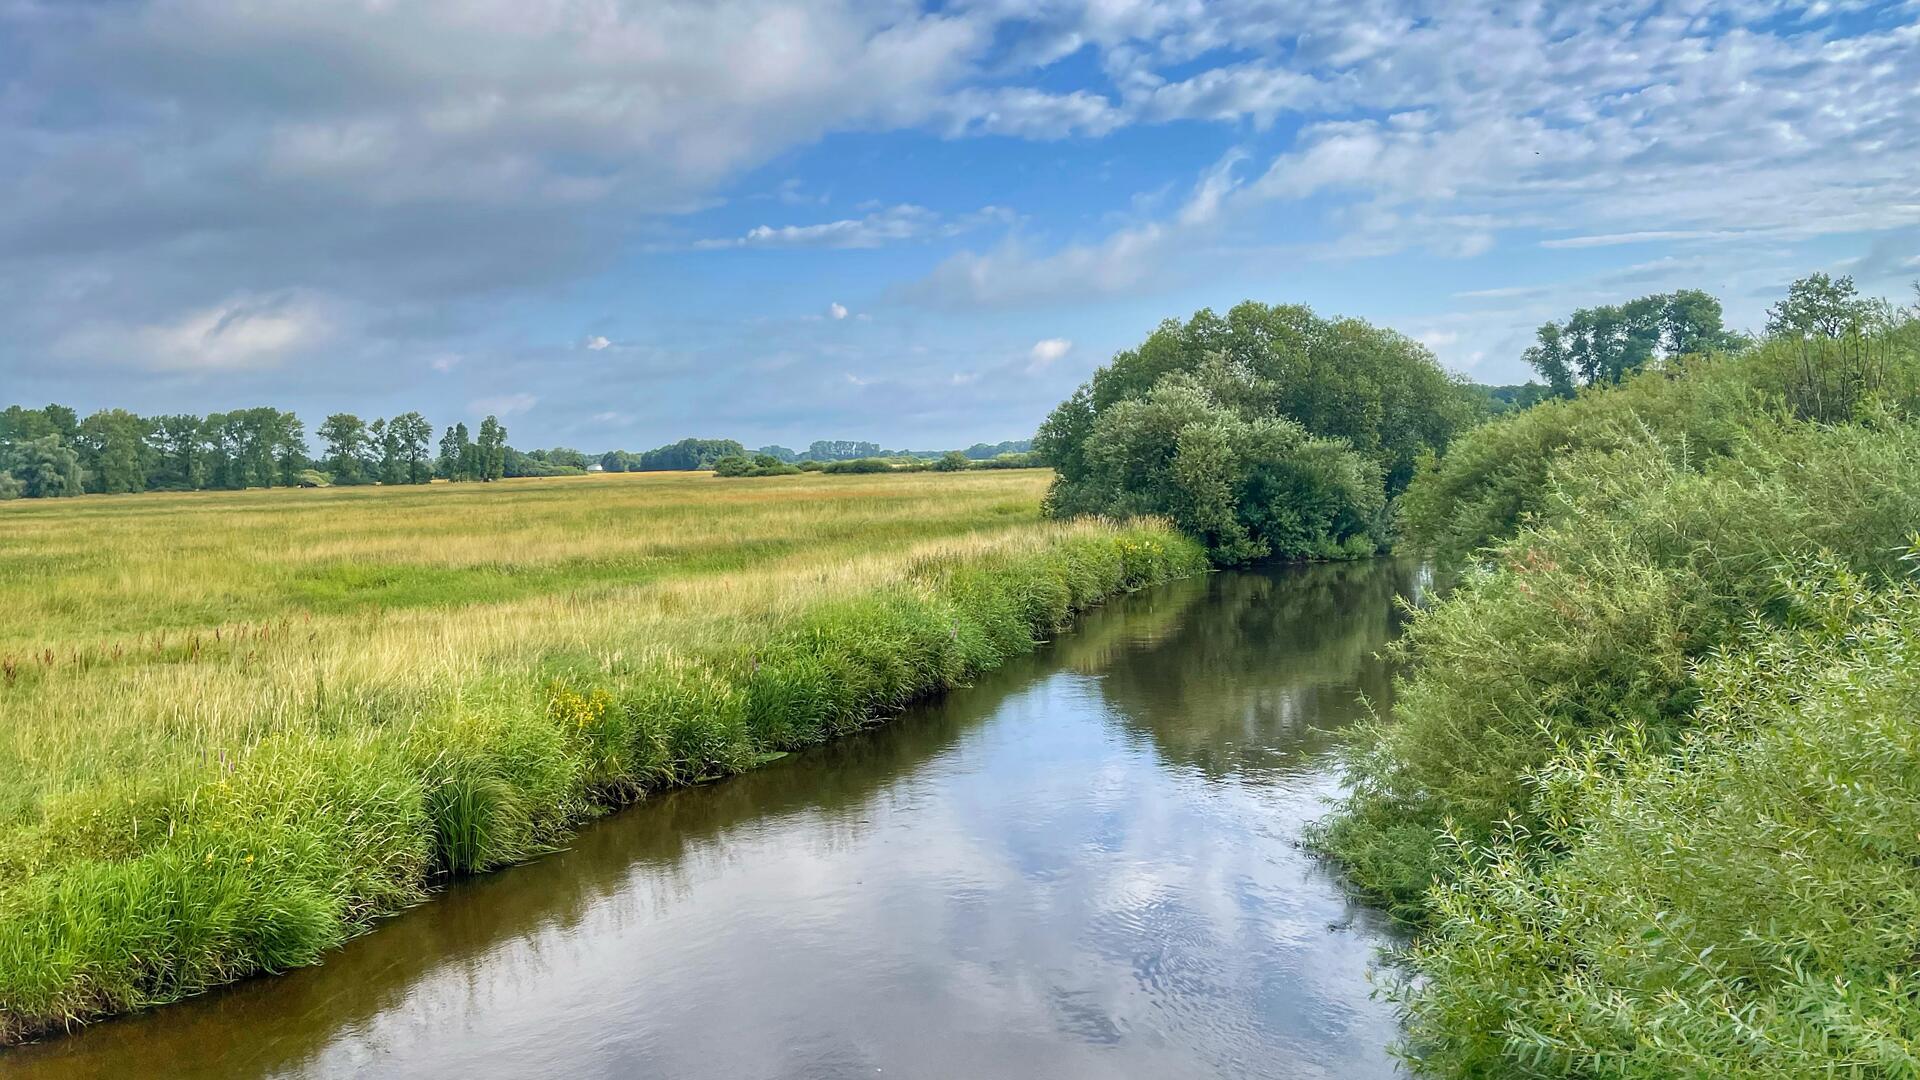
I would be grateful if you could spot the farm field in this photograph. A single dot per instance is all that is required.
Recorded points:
(239, 726)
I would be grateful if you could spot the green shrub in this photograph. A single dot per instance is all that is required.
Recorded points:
(1746, 906)
(1245, 489)
(858, 465)
(1594, 619)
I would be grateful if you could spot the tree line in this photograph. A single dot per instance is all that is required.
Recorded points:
(52, 452)
(707, 453)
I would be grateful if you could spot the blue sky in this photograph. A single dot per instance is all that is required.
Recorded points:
(617, 224)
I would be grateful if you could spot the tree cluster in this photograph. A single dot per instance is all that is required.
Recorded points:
(51, 452)
(1269, 432)
(1607, 343)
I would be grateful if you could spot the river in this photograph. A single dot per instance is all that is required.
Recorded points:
(1085, 865)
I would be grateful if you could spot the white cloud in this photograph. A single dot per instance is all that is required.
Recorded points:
(1046, 351)
(837, 311)
(503, 405)
(597, 343)
(896, 224)
(238, 335)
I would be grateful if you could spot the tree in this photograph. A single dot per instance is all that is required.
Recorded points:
(951, 461)
(689, 454)
(113, 451)
(178, 463)
(412, 436)
(1247, 488)
(1821, 306)
(392, 461)
(837, 450)
(456, 453)
(346, 437)
(491, 449)
(289, 446)
(43, 467)
(1337, 378)
(1606, 344)
(18, 424)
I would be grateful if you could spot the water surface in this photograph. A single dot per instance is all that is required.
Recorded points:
(1086, 865)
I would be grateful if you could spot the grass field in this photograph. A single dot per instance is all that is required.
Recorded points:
(236, 727)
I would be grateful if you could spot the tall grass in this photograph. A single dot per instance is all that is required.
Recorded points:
(245, 725)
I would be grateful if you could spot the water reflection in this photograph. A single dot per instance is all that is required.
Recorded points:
(1082, 866)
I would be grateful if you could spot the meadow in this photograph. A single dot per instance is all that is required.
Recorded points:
(238, 727)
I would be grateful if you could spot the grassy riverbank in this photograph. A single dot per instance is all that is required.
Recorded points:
(241, 726)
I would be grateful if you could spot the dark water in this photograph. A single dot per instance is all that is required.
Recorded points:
(1084, 866)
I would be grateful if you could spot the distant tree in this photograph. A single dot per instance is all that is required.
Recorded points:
(456, 454)
(346, 437)
(412, 437)
(289, 447)
(1821, 306)
(113, 450)
(840, 450)
(490, 450)
(178, 463)
(18, 424)
(782, 453)
(615, 461)
(1606, 344)
(64, 421)
(985, 452)
(952, 461)
(389, 467)
(43, 467)
(688, 454)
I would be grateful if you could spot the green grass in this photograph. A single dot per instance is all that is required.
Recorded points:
(239, 727)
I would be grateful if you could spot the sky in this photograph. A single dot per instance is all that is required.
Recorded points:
(617, 224)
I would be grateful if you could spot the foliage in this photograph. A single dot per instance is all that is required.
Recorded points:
(1606, 344)
(1744, 906)
(757, 465)
(1494, 478)
(1594, 618)
(1247, 489)
(1821, 306)
(1337, 378)
(1500, 400)
(313, 707)
(42, 467)
(1270, 432)
(688, 454)
(952, 461)
(1011, 460)
(858, 465)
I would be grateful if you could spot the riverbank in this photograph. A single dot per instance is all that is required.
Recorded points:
(203, 802)
(1084, 864)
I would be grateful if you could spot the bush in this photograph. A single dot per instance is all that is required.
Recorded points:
(952, 461)
(858, 465)
(1018, 460)
(1746, 906)
(757, 465)
(1594, 621)
(1258, 432)
(1246, 489)
(1494, 478)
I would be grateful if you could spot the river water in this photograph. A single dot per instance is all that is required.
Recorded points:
(1085, 865)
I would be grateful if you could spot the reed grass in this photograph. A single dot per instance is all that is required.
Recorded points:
(238, 727)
